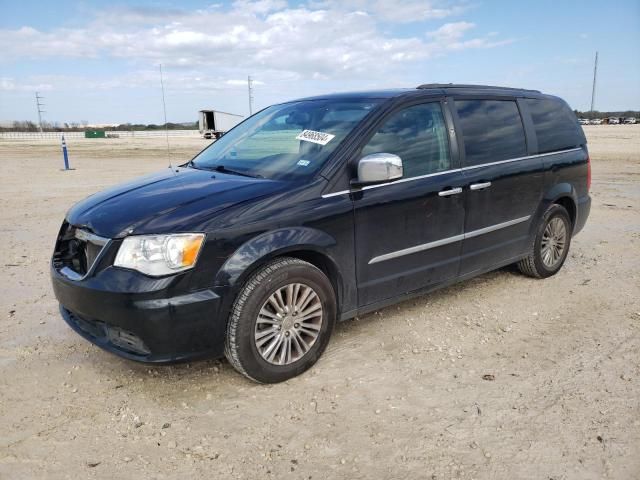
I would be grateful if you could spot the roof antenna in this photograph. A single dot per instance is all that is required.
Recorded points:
(166, 128)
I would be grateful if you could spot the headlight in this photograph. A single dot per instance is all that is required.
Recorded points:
(158, 255)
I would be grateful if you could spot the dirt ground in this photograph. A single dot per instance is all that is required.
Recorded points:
(398, 394)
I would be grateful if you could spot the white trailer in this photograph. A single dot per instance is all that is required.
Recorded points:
(213, 123)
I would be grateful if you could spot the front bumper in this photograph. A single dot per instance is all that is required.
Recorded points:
(142, 318)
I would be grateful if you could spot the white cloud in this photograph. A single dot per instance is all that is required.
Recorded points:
(9, 84)
(243, 83)
(264, 34)
(213, 47)
(175, 80)
(451, 31)
(450, 37)
(397, 11)
(407, 11)
(259, 6)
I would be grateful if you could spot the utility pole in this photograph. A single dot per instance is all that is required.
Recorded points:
(250, 85)
(39, 104)
(593, 90)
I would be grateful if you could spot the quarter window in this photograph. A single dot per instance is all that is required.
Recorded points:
(492, 130)
(555, 124)
(416, 134)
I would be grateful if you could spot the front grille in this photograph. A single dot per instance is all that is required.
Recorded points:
(102, 332)
(76, 251)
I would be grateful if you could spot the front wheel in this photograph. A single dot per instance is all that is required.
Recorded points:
(281, 321)
(550, 245)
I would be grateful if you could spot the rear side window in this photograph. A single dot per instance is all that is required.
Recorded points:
(416, 134)
(492, 130)
(555, 124)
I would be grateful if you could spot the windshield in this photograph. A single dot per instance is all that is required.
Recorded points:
(287, 141)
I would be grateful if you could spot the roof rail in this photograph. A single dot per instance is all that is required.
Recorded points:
(460, 85)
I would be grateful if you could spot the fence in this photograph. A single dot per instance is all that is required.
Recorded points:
(119, 134)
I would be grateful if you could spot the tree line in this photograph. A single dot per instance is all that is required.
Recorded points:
(597, 114)
(29, 126)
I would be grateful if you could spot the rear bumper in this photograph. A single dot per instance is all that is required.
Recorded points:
(583, 208)
(141, 318)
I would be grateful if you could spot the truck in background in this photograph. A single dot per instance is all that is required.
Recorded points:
(213, 124)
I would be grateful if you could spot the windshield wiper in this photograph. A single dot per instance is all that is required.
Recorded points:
(223, 169)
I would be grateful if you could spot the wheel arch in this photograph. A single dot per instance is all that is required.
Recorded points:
(570, 206)
(326, 264)
(563, 194)
(304, 243)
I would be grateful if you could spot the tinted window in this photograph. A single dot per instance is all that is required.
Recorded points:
(492, 130)
(418, 136)
(555, 124)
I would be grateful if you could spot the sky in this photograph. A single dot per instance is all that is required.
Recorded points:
(98, 61)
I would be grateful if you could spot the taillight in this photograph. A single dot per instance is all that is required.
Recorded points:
(588, 174)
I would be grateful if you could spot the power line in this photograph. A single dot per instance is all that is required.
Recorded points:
(39, 105)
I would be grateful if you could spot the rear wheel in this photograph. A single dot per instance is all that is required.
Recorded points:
(281, 321)
(550, 245)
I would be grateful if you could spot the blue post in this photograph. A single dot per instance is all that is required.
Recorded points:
(64, 153)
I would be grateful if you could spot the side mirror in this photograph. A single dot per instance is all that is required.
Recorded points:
(379, 168)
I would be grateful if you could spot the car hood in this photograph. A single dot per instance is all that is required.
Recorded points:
(172, 200)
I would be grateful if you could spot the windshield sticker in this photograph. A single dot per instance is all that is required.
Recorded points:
(303, 163)
(315, 137)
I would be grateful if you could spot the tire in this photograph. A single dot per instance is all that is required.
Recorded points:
(537, 264)
(256, 313)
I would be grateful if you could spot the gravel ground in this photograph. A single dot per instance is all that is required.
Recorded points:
(498, 377)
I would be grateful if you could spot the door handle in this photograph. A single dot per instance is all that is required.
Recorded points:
(480, 186)
(451, 191)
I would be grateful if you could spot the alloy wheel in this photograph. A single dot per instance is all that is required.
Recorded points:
(288, 324)
(554, 240)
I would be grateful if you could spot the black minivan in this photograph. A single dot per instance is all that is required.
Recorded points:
(318, 210)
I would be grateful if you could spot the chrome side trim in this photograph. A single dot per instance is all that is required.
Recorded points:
(528, 157)
(335, 194)
(498, 226)
(402, 180)
(417, 248)
(446, 241)
(463, 169)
